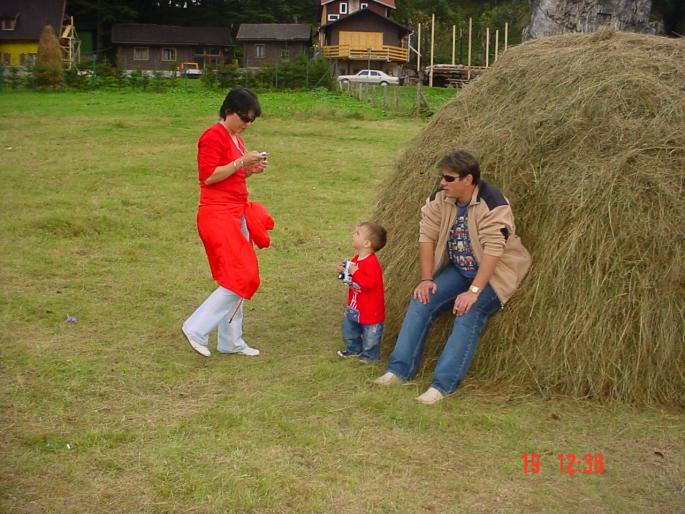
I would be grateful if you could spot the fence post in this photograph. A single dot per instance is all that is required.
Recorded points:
(95, 58)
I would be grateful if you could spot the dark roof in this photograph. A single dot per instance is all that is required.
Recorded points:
(367, 12)
(274, 32)
(149, 34)
(32, 16)
(387, 3)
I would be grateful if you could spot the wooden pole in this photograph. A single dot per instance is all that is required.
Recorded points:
(454, 41)
(418, 54)
(506, 35)
(487, 47)
(496, 43)
(430, 80)
(468, 64)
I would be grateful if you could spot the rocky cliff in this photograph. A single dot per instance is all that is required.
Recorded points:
(549, 17)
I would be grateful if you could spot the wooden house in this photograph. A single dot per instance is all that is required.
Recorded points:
(333, 10)
(357, 35)
(272, 43)
(149, 47)
(21, 25)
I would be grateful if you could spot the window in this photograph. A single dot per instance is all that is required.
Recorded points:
(8, 23)
(168, 54)
(285, 54)
(6, 59)
(343, 7)
(259, 49)
(364, 5)
(27, 59)
(141, 53)
(333, 17)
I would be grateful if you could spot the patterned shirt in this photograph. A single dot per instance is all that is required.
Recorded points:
(459, 244)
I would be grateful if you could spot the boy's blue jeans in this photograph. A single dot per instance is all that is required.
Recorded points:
(461, 344)
(362, 339)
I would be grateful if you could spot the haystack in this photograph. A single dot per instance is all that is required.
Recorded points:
(585, 134)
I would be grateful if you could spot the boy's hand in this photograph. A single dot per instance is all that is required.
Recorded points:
(340, 266)
(353, 268)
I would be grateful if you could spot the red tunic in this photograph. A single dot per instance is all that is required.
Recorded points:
(232, 258)
(366, 291)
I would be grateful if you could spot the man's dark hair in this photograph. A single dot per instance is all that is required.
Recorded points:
(240, 101)
(462, 163)
(377, 234)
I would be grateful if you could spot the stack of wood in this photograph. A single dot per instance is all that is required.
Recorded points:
(451, 75)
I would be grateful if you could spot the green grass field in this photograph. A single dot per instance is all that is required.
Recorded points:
(116, 413)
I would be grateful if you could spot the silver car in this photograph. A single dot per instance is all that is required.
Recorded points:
(370, 77)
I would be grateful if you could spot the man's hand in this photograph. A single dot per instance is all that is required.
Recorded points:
(463, 303)
(423, 291)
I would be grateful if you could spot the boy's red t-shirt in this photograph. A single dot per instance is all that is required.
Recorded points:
(366, 294)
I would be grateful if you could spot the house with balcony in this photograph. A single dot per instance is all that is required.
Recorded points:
(357, 35)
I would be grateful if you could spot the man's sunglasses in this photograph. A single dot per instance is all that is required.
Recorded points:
(244, 118)
(449, 178)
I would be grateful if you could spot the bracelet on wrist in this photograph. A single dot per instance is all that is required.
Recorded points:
(427, 280)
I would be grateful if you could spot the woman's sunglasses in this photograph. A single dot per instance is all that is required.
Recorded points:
(244, 118)
(449, 178)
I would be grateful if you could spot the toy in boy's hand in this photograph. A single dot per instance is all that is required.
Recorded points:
(264, 155)
(345, 274)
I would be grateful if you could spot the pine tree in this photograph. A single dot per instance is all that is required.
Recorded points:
(49, 68)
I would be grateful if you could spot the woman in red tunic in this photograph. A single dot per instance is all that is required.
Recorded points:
(225, 222)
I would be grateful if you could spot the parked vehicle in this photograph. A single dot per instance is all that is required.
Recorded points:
(370, 77)
(190, 70)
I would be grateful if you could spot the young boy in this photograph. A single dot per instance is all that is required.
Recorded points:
(362, 327)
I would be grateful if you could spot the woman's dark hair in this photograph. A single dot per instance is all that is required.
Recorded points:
(240, 101)
(462, 163)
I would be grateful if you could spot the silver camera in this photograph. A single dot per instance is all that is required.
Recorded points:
(344, 275)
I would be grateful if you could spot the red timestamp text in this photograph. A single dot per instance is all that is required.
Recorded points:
(569, 463)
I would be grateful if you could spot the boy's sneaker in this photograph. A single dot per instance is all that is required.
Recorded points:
(347, 353)
(366, 360)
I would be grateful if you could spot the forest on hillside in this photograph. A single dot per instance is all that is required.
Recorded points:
(99, 15)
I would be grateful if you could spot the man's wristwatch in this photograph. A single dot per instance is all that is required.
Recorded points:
(474, 289)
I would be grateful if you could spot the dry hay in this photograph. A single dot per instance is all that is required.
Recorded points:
(585, 134)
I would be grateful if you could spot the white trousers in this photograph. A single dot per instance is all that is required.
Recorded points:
(223, 309)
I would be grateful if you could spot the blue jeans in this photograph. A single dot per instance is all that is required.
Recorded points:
(362, 339)
(461, 344)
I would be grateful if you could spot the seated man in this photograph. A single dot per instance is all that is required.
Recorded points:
(471, 261)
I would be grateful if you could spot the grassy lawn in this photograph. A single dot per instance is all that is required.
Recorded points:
(116, 413)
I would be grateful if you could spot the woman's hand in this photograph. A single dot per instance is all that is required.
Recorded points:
(255, 168)
(423, 291)
(252, 158)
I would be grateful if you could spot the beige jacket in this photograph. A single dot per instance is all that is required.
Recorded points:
(492, 232)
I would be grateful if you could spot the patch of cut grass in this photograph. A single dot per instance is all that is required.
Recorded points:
(115, 413)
